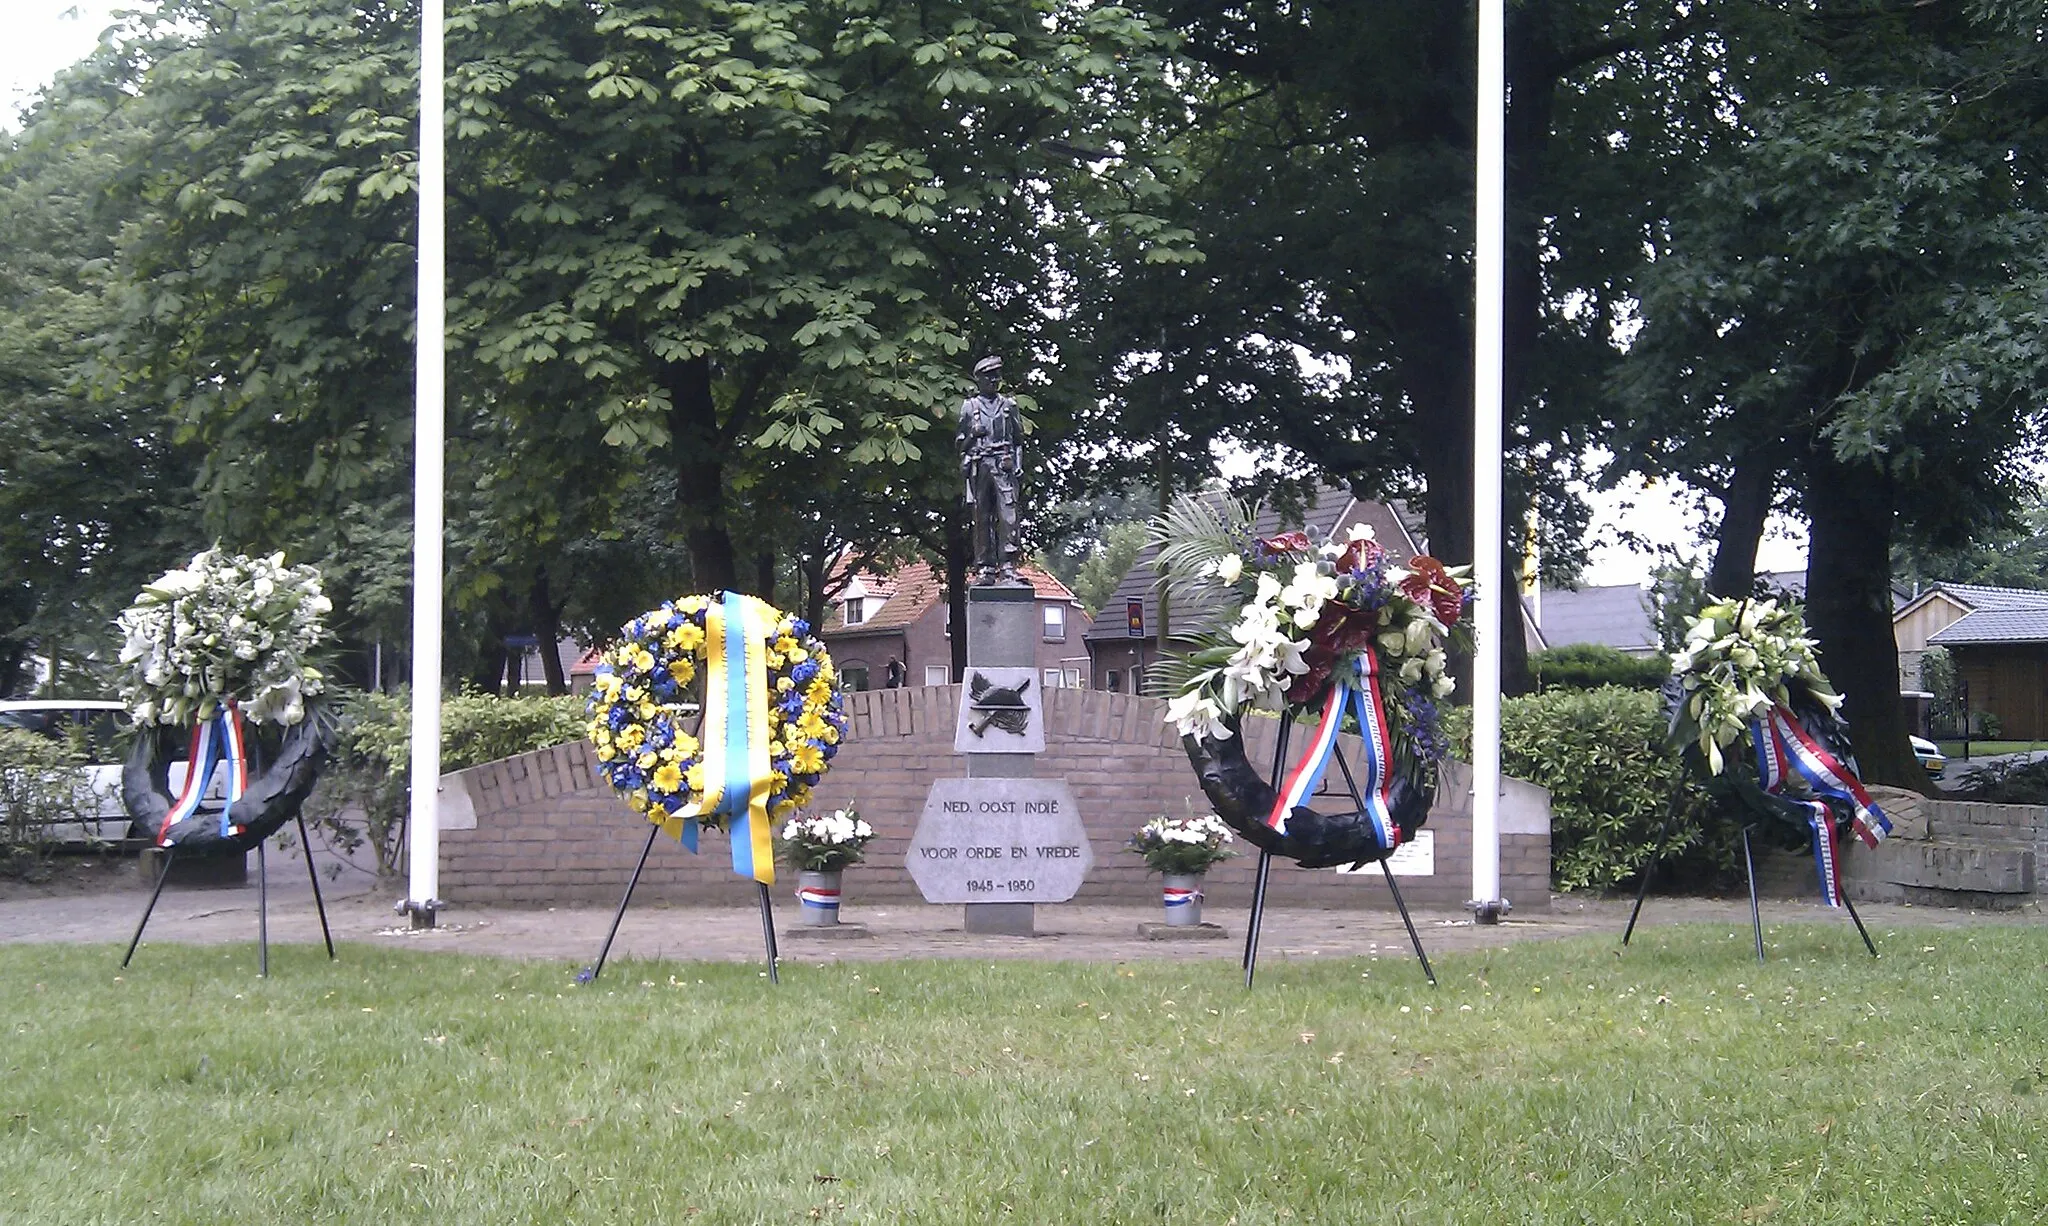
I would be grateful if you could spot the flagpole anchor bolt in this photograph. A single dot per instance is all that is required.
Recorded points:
(422, 913)
(1488, 911)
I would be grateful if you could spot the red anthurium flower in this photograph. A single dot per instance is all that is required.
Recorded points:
(1287, 542)
(1360, 554)
(1431, 586)
(1340, 631)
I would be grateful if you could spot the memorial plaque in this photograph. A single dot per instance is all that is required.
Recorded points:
(999, 841)
(1415, 858)
(1002, 710)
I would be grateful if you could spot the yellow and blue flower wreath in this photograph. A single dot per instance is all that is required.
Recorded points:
(638, 704)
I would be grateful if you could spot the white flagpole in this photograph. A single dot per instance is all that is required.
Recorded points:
(1496, 607)
(429, 443)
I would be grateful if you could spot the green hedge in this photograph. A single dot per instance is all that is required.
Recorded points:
(1613, 786)
(365, 797)
(42, 783)
(1588, 666)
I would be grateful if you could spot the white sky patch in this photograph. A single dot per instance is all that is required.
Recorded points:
(1640, 524)
(43, 36)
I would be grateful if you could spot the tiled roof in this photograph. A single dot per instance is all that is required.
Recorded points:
(1615, 617)
(1997, 615)
(1332, 507)
(2003, 626)
(911, 591)
(1996, 599)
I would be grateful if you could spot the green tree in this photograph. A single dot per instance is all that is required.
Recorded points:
(1854, 281)
(95, 499)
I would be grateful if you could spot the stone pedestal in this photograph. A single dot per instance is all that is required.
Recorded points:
(1002, 632)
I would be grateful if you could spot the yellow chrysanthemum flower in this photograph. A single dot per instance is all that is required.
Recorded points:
(694, 778)
(811, 725)
(687, 637)
(808, 759)
(800, 796)
(682, 671)
(643, 659)
(657, 813)
(668, 778)
(686, 745)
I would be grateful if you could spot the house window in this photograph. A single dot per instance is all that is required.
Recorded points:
(937, 674)
(1055, 623)
(853, 677)
(1051, 678)
(856, 612)
(1073, 678)
(1114, 680)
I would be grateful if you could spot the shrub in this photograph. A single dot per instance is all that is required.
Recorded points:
(1613, 785)
(41, 785)
(1588, 666)
(2009, 783)
(365, 796)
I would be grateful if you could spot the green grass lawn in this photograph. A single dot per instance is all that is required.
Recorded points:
(1557, 1082)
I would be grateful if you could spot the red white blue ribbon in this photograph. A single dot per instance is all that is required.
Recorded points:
(1181, 896)
(1358, 692)
(221, 740)
(1783, 750)
(818, 898)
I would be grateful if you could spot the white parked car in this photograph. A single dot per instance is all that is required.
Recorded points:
(94, 725)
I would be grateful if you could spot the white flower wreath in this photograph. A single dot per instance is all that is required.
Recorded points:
(225, 628)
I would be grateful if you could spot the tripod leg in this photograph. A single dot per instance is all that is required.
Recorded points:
(163, 871)
(1413, 937)
(1756, 918)
(1649, 871)
(1265, 872)
(262, 913)
(1258, 916)
(313, 874)
(1860, 929)
(590, 973)
(768, 932)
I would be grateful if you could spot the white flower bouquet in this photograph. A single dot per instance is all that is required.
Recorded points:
(826, 842)
(1183, 846)
(1741, 659)
(226, 628)
(1295, 611)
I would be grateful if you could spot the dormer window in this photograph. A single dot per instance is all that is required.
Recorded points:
(856, 611)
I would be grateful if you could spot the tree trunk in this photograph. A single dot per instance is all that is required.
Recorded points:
(489, 673)
(697, 446)
(1746, 503)
(546, 617)
(764, 575)
(814, 570)
(959, 554)
(1849, 609)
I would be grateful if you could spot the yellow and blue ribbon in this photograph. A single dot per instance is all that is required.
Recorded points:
(737, 774)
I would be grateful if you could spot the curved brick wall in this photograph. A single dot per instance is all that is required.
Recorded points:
(541, 829)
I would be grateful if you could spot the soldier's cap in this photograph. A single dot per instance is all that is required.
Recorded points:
(989, 366)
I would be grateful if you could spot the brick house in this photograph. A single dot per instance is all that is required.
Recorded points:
(1123, 640)
(903, 617)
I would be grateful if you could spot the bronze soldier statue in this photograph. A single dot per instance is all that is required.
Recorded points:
(992, 459)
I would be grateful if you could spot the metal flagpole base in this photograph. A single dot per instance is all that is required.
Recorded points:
(420, 913)
(1488, 910)
(590, 973)
(163, 871)
(313, 874)
(768, 932)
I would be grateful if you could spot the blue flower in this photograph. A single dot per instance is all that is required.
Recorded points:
(804, 672)
(628, 777)
(798, 628)
(616, 718)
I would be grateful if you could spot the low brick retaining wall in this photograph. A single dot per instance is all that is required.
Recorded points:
(542, 828)
(1951, 853)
